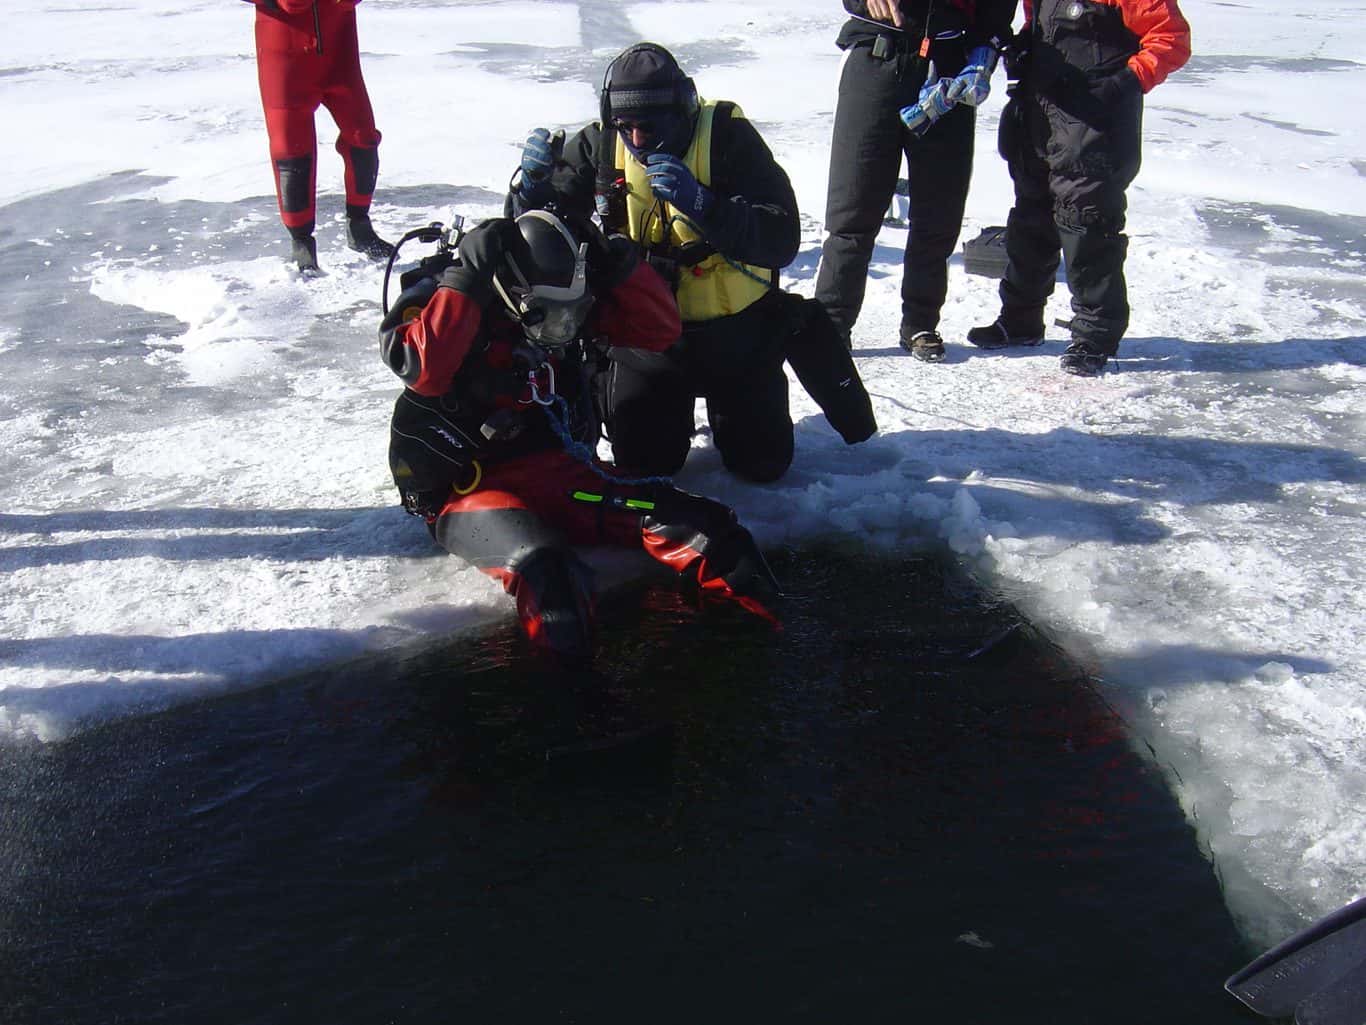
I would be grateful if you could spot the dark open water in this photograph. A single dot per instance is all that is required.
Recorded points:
(853, 820)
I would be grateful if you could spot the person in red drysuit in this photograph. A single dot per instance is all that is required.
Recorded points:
(307, 55)
(492, 442)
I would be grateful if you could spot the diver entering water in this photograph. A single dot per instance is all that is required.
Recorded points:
(492, 441)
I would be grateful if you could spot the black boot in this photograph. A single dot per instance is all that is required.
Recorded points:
(750, 575)
(923, 345)
(360, 235)
(1007, 333)
(304, 252)
(1082, 360)
(554, 593)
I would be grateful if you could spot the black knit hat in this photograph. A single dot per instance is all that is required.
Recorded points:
(646, 77)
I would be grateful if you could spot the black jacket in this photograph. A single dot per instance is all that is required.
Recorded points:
(980, 22)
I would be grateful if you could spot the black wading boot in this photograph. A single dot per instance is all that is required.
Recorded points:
(304, 251)
(360, 235)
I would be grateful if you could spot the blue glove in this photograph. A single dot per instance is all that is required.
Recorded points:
(972, 85)
(672, 182)
(933, 104)
(539, 153)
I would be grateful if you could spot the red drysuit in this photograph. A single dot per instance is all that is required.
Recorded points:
(515, 503)
(307, 54)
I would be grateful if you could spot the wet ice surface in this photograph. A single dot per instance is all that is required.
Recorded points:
(907, 803)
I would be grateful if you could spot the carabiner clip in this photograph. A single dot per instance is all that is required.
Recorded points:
(548, 398)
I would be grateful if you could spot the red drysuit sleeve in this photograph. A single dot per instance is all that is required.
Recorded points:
(640, 313)
(1164, 38)
(427, 351)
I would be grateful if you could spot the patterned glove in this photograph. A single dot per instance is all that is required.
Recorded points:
(972, 85)
(538, 161)
(538, 154)
(933, 104)
(672, 182)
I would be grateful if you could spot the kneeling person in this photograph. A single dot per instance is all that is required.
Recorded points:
(491, 442)
(693, 184)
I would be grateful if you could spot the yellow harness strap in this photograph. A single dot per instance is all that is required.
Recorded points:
(715, 287)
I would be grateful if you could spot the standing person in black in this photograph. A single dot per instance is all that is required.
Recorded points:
(693, 184)
(914, 72)
(1072, 135)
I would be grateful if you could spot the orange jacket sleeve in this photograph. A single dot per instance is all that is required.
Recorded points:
(1164, 39)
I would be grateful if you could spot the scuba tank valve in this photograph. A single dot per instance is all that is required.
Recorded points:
(446, 237)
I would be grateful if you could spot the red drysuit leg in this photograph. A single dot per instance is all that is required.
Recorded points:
(298, 72)
(519, 524)
(345, 97)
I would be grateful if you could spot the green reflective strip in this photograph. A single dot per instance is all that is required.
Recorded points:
(629, 503)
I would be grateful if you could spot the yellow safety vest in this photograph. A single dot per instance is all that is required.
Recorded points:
(716, 287)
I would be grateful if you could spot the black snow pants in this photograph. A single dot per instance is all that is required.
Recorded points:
(735, 363)
(866, 154)
(1072, 167)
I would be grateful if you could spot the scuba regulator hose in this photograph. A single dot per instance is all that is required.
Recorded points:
(447, 240)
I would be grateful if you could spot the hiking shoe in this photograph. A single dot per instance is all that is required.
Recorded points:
(360, 236)
(997, 335)
(925, 345)
(304, 252)
(1082, 360)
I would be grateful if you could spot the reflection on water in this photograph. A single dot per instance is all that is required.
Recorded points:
(864, 817)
